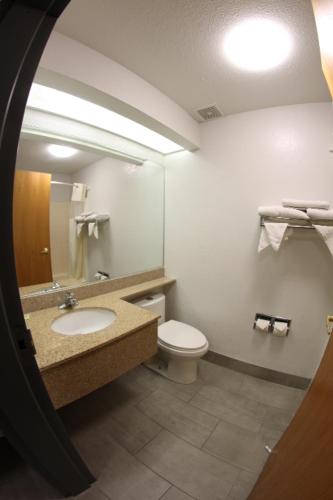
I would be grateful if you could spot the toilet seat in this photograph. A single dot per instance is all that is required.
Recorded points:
(181, 337)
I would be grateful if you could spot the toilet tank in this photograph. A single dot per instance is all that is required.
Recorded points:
(155, 303)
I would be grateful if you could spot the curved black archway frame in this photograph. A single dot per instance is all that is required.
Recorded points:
(27, 415)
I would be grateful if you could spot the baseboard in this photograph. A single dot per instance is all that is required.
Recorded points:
(258, 371)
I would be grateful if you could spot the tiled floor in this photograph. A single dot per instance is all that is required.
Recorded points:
(146, 438)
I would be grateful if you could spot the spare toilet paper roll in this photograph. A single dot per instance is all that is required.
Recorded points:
(262, 325)
(280, 328)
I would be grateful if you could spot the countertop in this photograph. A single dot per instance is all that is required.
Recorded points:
(53, 348)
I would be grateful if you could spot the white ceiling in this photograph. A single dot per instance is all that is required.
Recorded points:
(176, 46)
(33, 155)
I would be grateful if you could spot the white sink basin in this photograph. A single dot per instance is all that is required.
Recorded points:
(83, 321)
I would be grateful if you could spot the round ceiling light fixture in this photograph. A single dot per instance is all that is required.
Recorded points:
(257, 44)
(61, 151)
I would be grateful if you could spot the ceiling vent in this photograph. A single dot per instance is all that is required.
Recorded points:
(209, 113)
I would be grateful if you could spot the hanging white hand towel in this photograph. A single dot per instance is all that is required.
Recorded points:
(326, 232)
(79, 226)
(272, 234)
(93, 229)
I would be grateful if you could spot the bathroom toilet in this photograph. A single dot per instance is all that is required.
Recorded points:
(180, 345)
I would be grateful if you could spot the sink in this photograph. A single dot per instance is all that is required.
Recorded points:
(83, 321)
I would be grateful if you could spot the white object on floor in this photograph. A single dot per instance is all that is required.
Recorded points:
(319, 214)
(324, 205)
(280, 328)
(272, 234)
(326, 232)
(262, 325)
(278, 211)
(79, 192)
(180, 345)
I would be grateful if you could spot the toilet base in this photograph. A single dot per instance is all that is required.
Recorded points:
(180, 370)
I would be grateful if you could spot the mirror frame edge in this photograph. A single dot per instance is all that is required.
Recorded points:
(41, 437)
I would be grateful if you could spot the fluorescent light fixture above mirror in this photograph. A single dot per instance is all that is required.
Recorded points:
(63, 104)
(257, 44)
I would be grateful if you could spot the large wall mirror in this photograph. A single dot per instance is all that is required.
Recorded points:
(81, 213)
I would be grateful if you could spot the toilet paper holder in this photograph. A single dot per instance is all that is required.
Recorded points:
(271, 320)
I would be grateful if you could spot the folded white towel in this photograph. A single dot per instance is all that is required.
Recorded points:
(318, 214)
(324, 205)
(277, 211)
(326, 232)
(272, 234)
(92, 219)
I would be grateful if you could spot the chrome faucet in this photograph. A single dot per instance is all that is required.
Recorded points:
(69, 302)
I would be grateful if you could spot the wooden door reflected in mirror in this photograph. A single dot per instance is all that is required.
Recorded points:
(31, 222)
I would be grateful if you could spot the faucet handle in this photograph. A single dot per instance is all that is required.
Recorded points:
(69, 301)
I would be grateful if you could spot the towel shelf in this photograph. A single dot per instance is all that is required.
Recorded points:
(296, 223)
(92, 220)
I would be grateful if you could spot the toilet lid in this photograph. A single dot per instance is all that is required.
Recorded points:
(181, 336)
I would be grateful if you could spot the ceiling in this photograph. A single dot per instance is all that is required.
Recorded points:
(176, 46)
(33, 155)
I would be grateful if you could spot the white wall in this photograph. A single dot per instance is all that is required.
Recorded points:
(133, 196)
(212, 231)
(132, 96)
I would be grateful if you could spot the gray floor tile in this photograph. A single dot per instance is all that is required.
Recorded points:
(270, 437)
(185, 392)
(95, 448)
(154, 381)
(126, 478)
(127, 417)
(92, 493)
(231, 407)
(271, 394)
(131, 428)
(175, 494)
(179, 417)
(240, 447)
(115, 417)
(220, 376)
(243, 486)
(277, 419)
(23, 483)
(197, 473)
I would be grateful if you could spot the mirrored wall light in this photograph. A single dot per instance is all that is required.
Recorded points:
(61, 151)
(69, 106)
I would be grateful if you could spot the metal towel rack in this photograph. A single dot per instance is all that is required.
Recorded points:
(296, 223)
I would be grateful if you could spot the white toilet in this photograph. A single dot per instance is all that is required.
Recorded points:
(180, 345)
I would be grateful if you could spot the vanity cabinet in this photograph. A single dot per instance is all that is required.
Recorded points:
(77, 377)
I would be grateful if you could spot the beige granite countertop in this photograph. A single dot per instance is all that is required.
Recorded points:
(53, 348)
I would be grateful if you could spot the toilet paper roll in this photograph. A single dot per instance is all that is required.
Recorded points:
(262, 325)
(280, 329)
